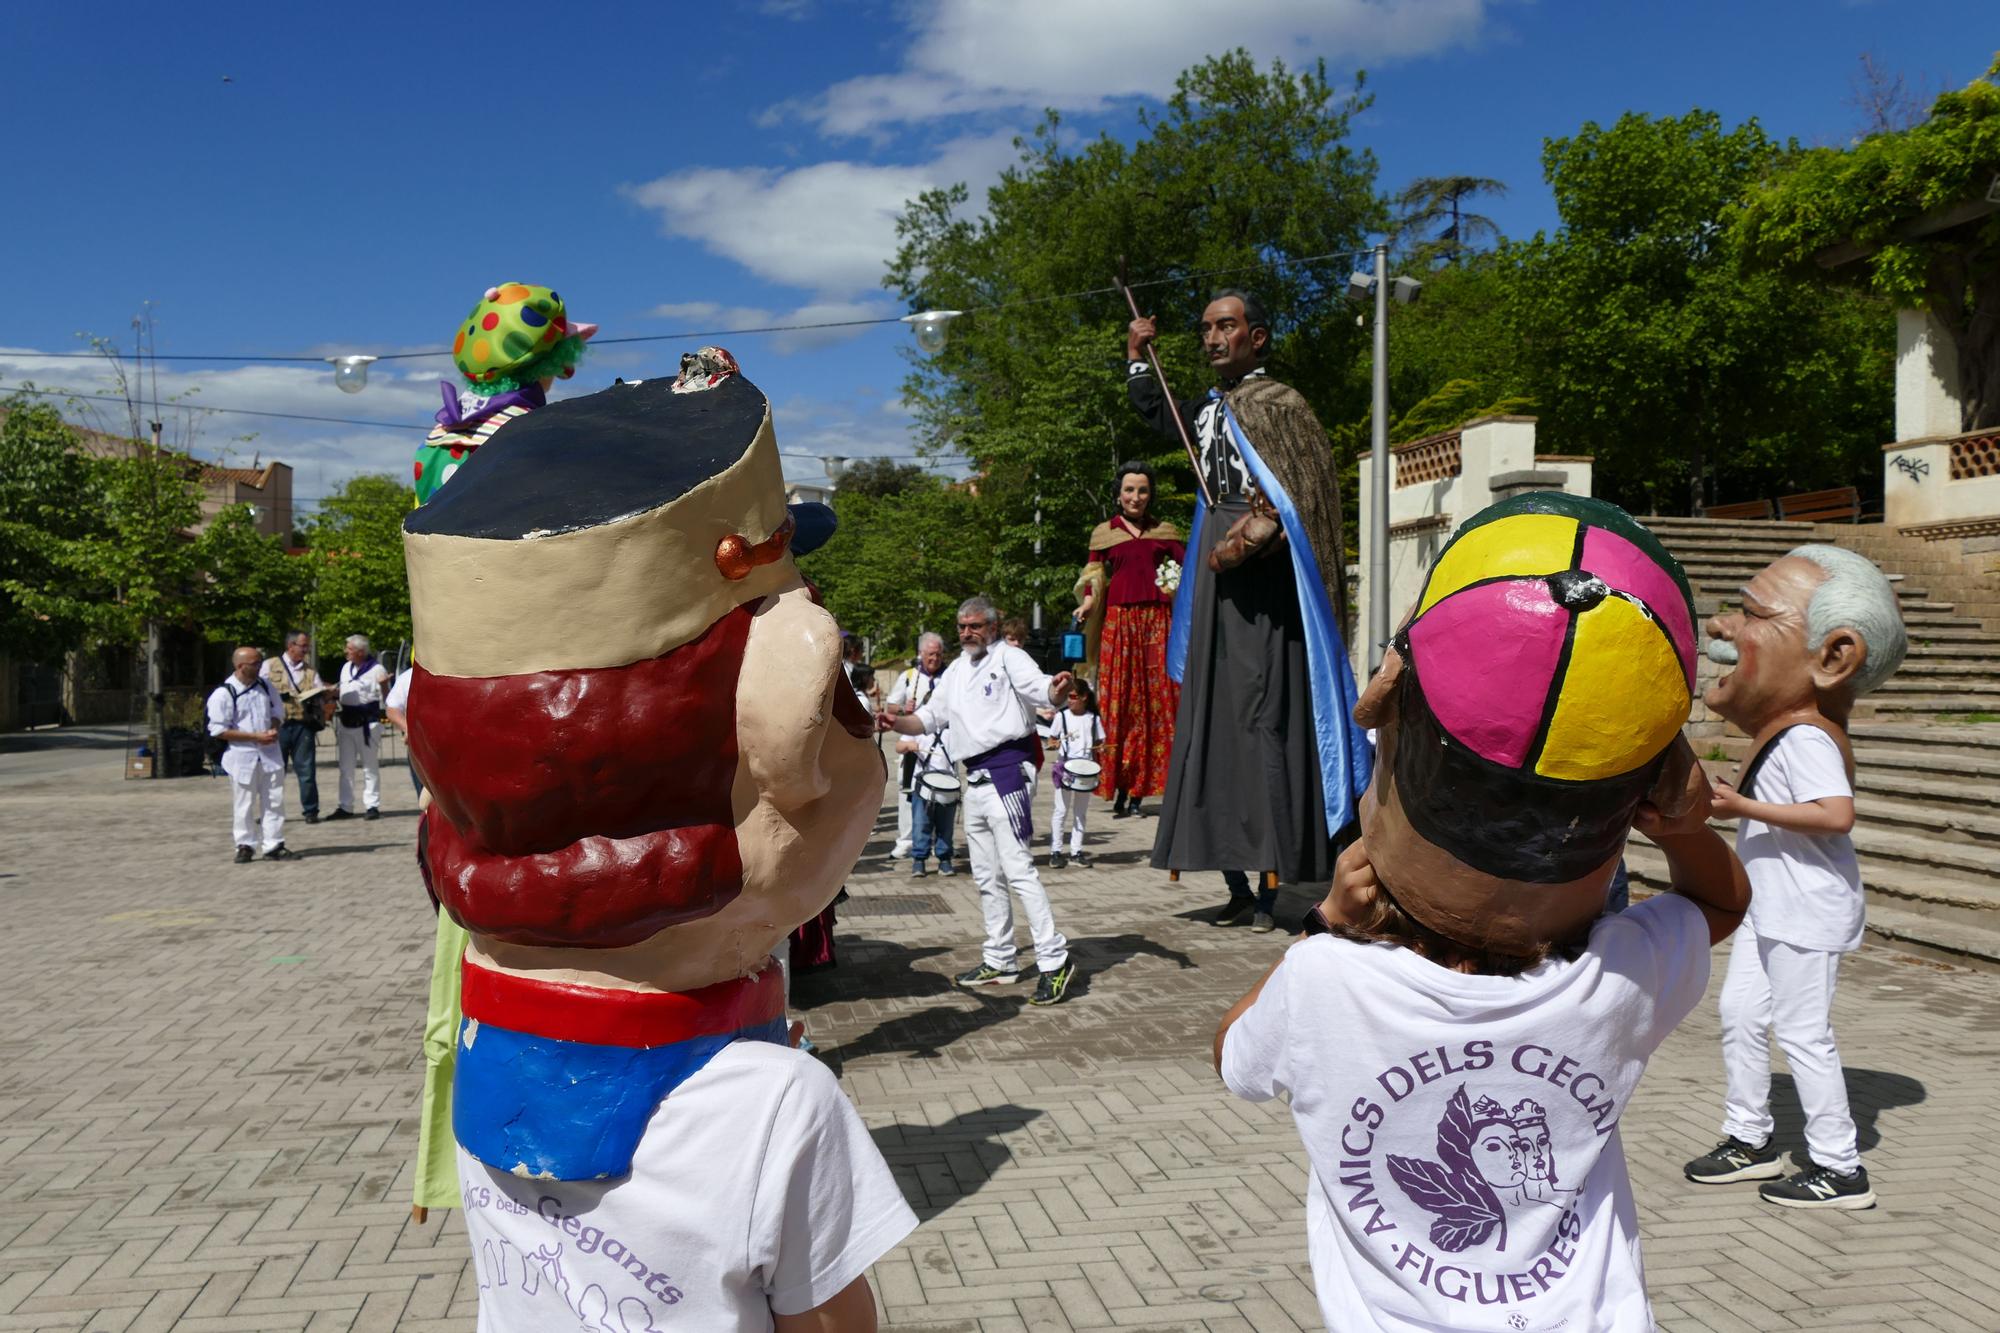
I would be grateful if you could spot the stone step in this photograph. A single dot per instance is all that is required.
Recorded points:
(1984, 705)
(1926, 664)
(1944, 682)
(1949, 767)
(1946, 738)
(1927, 912)
(1926, 814)
(1972, 863)
(1924, 784)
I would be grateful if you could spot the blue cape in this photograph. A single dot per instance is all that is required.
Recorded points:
(1346, 759)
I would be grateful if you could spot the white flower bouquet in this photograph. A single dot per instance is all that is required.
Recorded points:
(1167, 578)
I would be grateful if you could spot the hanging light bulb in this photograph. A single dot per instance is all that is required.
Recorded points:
(350, 372)
(931, 328)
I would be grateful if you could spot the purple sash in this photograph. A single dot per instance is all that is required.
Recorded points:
(1003, 765)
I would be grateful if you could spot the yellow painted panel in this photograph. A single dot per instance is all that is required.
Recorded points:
(1522, 544)
(1621, 699)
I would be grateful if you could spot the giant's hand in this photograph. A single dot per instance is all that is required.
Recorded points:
(1138, 334)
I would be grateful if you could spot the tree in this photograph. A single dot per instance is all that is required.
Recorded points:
(1430, 200)
(252, 591)
(1644, 339)
(355, 546)
(49, 502)
(1245, 172)
(1906, 215)
(900, 564)
(879, 477)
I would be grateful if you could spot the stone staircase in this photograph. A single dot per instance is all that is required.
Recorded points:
(1926, 744)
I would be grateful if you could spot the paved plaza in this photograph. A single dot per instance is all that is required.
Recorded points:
(209, 1075)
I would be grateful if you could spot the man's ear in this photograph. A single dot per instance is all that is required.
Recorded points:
(1838, 660)
(1681, 782)
(1373, 705)
(1260, 340)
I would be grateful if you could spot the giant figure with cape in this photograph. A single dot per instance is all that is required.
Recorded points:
(1267, 765)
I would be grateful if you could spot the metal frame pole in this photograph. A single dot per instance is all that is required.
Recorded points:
(1378, 453)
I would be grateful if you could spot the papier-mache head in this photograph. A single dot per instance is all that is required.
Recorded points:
(625, 708)
(1532, 700)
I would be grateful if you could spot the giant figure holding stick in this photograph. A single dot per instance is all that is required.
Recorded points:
(1267, 765)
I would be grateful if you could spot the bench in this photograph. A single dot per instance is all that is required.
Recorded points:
(1759, 509)
(1821, 506)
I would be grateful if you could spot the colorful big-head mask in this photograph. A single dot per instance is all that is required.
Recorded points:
(1527, 707)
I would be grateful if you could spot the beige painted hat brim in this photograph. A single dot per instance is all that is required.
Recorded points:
(602, 596)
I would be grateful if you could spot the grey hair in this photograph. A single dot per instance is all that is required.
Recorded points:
(358, 641)
(981, 607)
(292, 636)
(1855, 595)
(927, 638)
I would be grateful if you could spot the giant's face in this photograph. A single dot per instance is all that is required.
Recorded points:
(1764, 643)
(645, 766)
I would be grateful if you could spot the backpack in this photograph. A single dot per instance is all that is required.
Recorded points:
(214, 747)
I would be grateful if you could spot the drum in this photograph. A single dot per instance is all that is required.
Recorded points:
(1081, 774)
(940, 788)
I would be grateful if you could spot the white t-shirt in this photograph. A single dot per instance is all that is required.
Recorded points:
(756, 1188)
(399, 693)
(1805, 887)
(988, 701)
(1466, 1169)
(1075, 736)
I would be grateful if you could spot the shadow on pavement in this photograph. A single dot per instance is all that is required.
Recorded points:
(343, 850)
(1094, 957)
(877, 970)
(64, 738)
(1869, 1093)
(938, 1165)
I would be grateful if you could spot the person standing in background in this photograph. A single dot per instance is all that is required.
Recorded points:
(360, 699)
(303, 695)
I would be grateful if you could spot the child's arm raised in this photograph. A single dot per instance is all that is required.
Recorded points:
(1702, 867)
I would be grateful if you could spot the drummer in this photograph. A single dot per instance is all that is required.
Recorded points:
(1076, 736)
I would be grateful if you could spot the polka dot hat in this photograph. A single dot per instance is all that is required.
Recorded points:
(513, 325)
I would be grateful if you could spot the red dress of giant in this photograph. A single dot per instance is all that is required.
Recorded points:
(1135, 696)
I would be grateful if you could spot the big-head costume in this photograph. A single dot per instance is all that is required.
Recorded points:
(645, 769)
(1533, 699)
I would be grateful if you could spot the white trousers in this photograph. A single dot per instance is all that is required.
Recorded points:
(1774, 987)
(259, 799)
(354, 750)
(1069, 809)
(902, 847)
(1000, 864)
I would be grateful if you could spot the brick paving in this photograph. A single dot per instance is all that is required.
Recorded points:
(208, 1079)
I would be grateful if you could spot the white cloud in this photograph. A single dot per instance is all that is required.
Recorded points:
(1011, 55)
(713, 319)
(829, 228)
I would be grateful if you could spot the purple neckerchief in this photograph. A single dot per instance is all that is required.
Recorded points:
(452, 417)
(1003, 764)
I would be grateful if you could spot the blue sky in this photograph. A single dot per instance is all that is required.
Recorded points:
(276, 179)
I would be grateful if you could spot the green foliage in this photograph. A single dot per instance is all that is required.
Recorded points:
(355, 545)
(253, 591)
(879, 476)
(48, 501)
(1900, 214)
(1245, 169)
(1643, 339)
(900, 564)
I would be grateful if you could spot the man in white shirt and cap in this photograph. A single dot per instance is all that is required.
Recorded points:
(243, 711)
(987, 698)
(360, 715)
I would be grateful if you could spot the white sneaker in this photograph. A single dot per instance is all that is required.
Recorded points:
(899, 851)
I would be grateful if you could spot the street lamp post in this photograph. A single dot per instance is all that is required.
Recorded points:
(1378, 452)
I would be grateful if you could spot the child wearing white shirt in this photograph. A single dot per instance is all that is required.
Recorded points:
(1074, 733)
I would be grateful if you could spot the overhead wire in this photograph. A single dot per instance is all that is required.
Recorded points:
(1192, 276)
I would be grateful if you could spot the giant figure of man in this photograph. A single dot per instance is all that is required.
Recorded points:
(1267, 764)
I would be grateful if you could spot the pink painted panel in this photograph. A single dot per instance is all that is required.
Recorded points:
(1486, 656)
(1629, 569)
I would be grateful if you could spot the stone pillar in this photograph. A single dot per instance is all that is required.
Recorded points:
(1926, 378)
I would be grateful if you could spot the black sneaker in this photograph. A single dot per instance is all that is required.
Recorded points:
(1057, 860)
(1054, 986)
(245, 855)
(340, 812)
(1733, 1159)
(1082, 860)
(1263, 923)
(917, 871)
(1233, 912)
(1821, 1187)
(281, 853)
(312, 816)
(944, 868)
(986, 976)
(373, 813)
